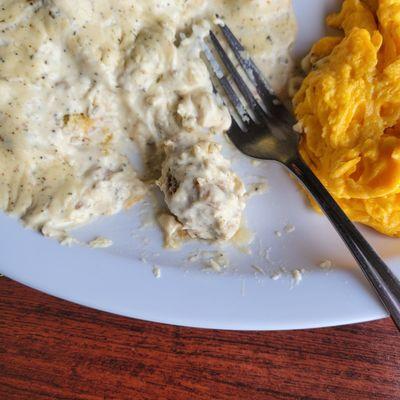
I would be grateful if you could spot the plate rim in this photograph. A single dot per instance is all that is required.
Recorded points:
(94, 287)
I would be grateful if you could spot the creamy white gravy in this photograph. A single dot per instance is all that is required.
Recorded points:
(83, 83)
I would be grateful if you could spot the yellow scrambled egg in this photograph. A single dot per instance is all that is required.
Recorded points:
(349, 108)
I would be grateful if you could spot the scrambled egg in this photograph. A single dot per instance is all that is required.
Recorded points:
(349, 109)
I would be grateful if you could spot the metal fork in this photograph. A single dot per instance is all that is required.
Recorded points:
(263, 128)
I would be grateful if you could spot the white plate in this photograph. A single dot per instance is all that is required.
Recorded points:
(120, 281)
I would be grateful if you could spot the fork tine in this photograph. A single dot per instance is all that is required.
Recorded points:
(222, 79)
(235, 134)
(252, 71)
(244, 126)
(246, 92)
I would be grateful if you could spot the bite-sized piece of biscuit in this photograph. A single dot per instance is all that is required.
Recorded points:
(201, 190)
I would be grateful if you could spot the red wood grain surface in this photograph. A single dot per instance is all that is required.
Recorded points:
(51, 349)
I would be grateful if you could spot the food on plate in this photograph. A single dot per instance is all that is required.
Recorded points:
(349, 109)
(202, 191)
(86, 87)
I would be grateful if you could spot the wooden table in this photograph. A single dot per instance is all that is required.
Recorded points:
(51, 349)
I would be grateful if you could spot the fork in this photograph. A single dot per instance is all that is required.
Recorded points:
(263, 128)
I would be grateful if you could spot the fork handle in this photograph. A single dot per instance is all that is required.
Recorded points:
(377, 272)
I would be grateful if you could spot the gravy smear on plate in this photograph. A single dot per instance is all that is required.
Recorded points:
(84, 85)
